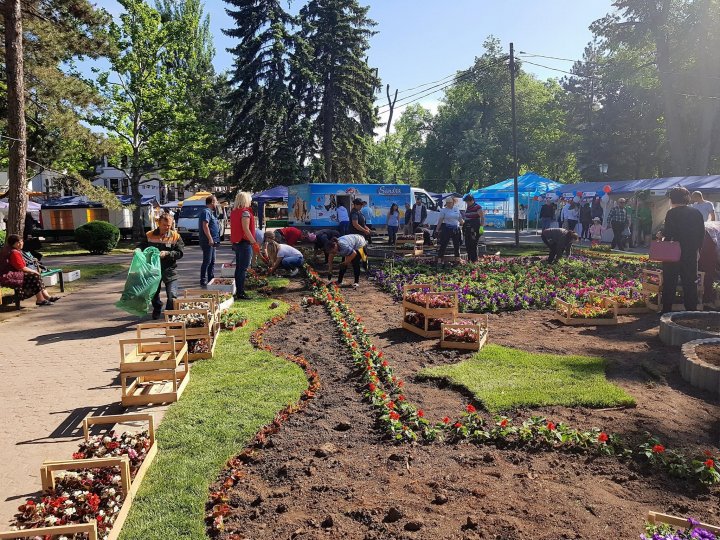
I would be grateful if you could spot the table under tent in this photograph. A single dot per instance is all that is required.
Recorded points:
(272, 207)
(498, 200)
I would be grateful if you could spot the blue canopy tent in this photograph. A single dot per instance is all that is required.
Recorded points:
(274, 194)
(530, 185)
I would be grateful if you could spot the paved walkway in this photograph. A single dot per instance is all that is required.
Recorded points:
(60, 364)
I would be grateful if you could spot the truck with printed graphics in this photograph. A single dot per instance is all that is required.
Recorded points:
(314, 206)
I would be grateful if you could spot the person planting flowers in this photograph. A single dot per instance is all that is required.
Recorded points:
(558, 241)
(352, 248)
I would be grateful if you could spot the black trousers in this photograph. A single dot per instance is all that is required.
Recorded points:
(471, 231)
(446, 233)
(686, 269)
(585, 230)
(554, 252)
(356, 269)
(617, 241)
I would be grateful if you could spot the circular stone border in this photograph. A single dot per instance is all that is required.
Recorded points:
(698, 373)
(672, 333)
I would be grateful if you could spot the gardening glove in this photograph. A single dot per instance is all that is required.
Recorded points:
(256, 248)
(363, 256)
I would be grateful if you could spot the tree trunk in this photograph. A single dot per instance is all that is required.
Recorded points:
(17, 175)
(138, 229)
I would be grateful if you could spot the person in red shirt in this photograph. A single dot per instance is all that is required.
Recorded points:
(14, 273)
(289, 235)
(244, 243)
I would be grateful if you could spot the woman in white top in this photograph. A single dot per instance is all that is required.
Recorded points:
(393, 223)
(282, 255)
(449, 226)
(352, 248)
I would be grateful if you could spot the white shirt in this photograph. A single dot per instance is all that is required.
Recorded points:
(342, 214)
(288, 251)
(418, 213)
(450, 217)
(349, 243)
(259, 236)
(704, 208)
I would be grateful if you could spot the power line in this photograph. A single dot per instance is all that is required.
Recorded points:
(443, 80)
(548, 57)
(560, 70)
(427, 92)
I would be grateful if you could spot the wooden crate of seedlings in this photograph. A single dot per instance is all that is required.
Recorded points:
(409, 244)
(224, 300)
(119, 419)
(201, 330)
(423, 309)
(651, 280)
(656, 518)
(61, 531)
(47, 478)
(625, 305)
(598, 312)
(155, 365)
(222, 284)
(467, 331)
(654, 302)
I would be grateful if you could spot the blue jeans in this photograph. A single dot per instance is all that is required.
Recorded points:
(207, 270)
(545, 223)
(343, 227)
(292, 262)
(243, 257)
(171, 288)
(392, 233)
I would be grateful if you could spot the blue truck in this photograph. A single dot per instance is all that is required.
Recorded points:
(314, 206)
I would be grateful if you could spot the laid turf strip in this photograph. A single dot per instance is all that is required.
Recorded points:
(502, 379)
(228, 398)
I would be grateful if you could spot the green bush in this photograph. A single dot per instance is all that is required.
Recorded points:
(97, 237)
(2, 238)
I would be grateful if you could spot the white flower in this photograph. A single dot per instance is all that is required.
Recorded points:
(69, 511)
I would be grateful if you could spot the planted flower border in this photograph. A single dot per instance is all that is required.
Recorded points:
(666, 527)
(404, 422)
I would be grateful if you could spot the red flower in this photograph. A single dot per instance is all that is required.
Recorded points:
(470, 408)
(383, 395)
(421, 413)
(391, 404)
(380, 354)
(367, 354)
(371, 387)
(112, 445)
(446, 420)
(405, 428)
(503, 422)
(658, 449)
(710, 464)
(400, 384)
(707, 453)
(385, 363)
(78, 455)
(603, 437)
(359, 319)
(394, 415)
(93, 501)
(458, 425)
(401, 398)
(373, 348)
(551, 426)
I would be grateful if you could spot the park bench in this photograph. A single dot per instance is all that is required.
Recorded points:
(48, 272)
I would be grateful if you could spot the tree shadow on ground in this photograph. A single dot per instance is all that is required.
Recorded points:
(89, 333)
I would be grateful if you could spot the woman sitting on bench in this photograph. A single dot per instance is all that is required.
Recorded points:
(14, 273)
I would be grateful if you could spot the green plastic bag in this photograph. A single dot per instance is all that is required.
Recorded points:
(142, 282)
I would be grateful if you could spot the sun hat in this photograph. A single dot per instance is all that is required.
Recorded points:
(596, 219)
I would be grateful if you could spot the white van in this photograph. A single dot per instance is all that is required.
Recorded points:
(188, 216)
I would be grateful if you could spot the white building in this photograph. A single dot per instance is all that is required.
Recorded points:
(118, 181)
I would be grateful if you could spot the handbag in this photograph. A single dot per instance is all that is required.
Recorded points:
(13, 279)
(664, 251)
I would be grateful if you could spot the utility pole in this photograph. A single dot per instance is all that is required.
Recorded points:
(391, 105)
(516, 209)
(14, 69)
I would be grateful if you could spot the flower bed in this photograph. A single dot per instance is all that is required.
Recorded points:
(495, 284)
(404, 422)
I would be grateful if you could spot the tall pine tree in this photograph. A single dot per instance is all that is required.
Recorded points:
(336, 34)
(260, 136)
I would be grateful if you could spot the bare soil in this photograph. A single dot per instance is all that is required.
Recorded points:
(708, 323)
(709, 353)
(330, 473)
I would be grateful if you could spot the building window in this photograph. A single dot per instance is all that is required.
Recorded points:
(97, 214)
(61, 220)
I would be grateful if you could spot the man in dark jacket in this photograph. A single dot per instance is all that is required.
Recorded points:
(558, 241)
(419, 215)
(171, 246)
(685, 225)
(547, 213)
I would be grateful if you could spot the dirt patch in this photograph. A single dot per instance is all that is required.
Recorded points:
(329, 473)
(708, 324)
(709, 353)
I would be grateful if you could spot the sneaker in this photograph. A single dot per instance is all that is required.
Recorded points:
(242, 296)
(294, 272)
(356, 285)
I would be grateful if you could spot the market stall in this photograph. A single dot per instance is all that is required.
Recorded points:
(272, 207)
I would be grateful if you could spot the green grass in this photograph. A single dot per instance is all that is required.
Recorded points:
(502, 379)
(60, 249)
(227, 400)
(276, 282)
(524, 250)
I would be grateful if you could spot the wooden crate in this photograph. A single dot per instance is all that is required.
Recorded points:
(427, 334)
(205, 355)
(657, 518)
(203, 332)
(426, 310)
(48, 482)
(624, 310)
(155, 366)
(180, 304)
(564, 309)
(213, 285)
(658, 275)
(89, 529)
(480, 324)
(119, 419)
(656, 306)
(417, 241)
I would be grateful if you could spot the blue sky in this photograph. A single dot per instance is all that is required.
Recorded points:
(419, 41)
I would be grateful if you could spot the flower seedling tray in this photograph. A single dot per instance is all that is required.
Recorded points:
(47, 479)
(479, 324)
(423, 331)
(89, 529)
(191, 302)
(564, 310)
(207, 331)
(402, 242)
(122, 418)
(426, 310)
(639, 310)
(205, 355)
(222, 284)
(681, 523)
(227, 270)
(651, 280)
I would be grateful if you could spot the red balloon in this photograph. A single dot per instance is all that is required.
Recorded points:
(607, 189)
